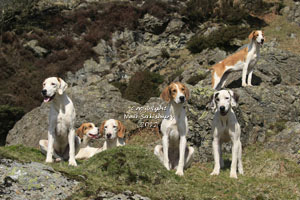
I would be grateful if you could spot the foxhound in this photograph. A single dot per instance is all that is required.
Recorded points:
(174, 152)
(86, 132)
(243, 60)
(225, 127)
(61, 133)
(113, 131)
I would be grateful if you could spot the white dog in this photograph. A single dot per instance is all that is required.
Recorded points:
(113, 132)
(86, 132)
(174, 153)
(225, 127)
(244, 60)
(61, 134)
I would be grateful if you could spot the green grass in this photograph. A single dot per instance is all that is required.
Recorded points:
(268, 175)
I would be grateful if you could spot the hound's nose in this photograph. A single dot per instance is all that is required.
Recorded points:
(108, 135)
(182, 98)
(222, 108)
(44, 92)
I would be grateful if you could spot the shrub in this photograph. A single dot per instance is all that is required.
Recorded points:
(8, 117)
(195, 79)
(8, 37)
(158, 9)
(142, 86)
(278, 126)
(121, 86)
(164, 53)
(220, 38)
(199, 11)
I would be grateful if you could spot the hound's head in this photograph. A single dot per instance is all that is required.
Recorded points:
(51, 86)
(87, 131)
(257, 36)
(176, 92)
(223, 100)
(112, 129)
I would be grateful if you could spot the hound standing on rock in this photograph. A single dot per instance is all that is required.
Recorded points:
(61, 133)
(243, 60)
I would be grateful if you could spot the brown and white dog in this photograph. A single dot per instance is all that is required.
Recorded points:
(174, 152)
(113, 131)
(243, 60)
(86, 132)
(61, 142)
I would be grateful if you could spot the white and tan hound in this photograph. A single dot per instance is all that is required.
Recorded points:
(225, 127)
(86, 132)
(174, 152)
(243, 60)
(61, 133)
(113, 131)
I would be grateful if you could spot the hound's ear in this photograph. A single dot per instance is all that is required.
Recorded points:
(62, 86)
(101, 129)
(213, 104)
(264, 37)
(121, 129)
(186, 93)
(79, 131)
(251, 35)
(165, 95)
(234, 98)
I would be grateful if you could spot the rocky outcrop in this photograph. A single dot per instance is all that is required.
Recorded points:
(263, 108)
(33, 181)
(94, 101)
(286, 141)
(159, 45)
(37, 50)
(293, 13)
(127, 195)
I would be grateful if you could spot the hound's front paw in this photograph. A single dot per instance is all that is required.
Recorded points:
(58, 159)
(167, 166)
(215, 172)
(244, 85)
(179, 172)
(49, 160)
(233, 175)
(249, 84)
(241, 171)
(72, 162)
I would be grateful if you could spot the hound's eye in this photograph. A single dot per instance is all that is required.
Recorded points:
(114, 126)
(226, 97)
(182, 89)
(173, 90)
(105, 126)
(217, 99)
(90, 126)
(44, 84)
(52, 83)
(84, 128)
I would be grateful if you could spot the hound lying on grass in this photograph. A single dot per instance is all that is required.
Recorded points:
(174, 153)
(113, 132)
(225, 127)
(86, 132)
(244, 60)
(61, 134)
